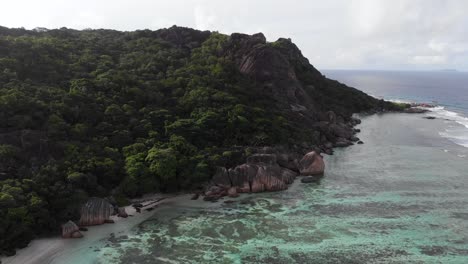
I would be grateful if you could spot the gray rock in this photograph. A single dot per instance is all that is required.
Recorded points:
(95, 212)
(71, 230)
(312, 164)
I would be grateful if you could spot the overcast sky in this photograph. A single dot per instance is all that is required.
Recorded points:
(333, 34)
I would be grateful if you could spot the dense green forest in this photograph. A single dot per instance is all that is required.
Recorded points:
(109, 113)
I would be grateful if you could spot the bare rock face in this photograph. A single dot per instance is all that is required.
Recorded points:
(312, 164)
(270, 177)
(95, 212)
(71, 230)
(242, 174)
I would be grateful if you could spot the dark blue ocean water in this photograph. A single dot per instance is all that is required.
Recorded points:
(447, 90)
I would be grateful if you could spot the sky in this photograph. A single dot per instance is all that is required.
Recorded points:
(332, 34)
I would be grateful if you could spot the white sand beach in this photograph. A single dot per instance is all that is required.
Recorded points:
(57, 249)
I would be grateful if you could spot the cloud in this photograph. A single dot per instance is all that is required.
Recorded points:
(376, 34)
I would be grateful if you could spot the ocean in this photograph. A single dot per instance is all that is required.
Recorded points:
(448, 90)
(401, 197)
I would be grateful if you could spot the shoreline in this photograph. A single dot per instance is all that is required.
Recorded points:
(53, 249)
(46, 250)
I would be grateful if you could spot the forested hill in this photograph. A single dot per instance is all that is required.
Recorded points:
(108, 113)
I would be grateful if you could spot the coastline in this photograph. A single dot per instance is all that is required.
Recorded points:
(50, 250)
(398, 198)
(56, 250)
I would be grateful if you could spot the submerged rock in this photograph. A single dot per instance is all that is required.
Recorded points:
(312, 164)
(309, 179)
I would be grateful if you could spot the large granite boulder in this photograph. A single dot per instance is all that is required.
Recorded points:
(242, 176)
(312, 164)
(270, 178)
(71, 230)
(95, 212)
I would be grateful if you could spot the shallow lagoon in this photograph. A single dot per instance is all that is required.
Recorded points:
(402, 197)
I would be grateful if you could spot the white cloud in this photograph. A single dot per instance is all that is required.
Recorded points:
(428, 59)
(409, 34)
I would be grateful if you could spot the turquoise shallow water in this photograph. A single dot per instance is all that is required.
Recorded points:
(402, 197)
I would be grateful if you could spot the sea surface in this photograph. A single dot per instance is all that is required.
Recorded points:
(448, 90)
(401, 197)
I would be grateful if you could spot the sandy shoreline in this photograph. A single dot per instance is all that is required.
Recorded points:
(56, 249)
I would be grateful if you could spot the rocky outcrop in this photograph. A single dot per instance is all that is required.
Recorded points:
(95, 212)
(312, 164)
(261, 172)
(71, 230)
(121, 212)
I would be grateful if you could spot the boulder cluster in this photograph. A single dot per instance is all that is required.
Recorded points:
(263, 172)
(96, 211)
(336, 132)
(71, 230)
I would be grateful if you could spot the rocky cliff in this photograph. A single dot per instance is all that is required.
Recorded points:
(99, 113)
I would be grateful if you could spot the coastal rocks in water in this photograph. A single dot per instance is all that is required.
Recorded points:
(342, 142)
(95, 212)
(309, 179)
(260, 173)
(360, 142)
(312, 164)
(121, 212)
(429, 117)
(415, 110)
(71, 230)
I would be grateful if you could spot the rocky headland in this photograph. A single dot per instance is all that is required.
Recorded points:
(103, 113)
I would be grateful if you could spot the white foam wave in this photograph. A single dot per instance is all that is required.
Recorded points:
(455, 133)
(441, 112)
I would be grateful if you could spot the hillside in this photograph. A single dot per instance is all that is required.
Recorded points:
(108, 113)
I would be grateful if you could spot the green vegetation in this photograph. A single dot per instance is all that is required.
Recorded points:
(108, 113)
(101, 112)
